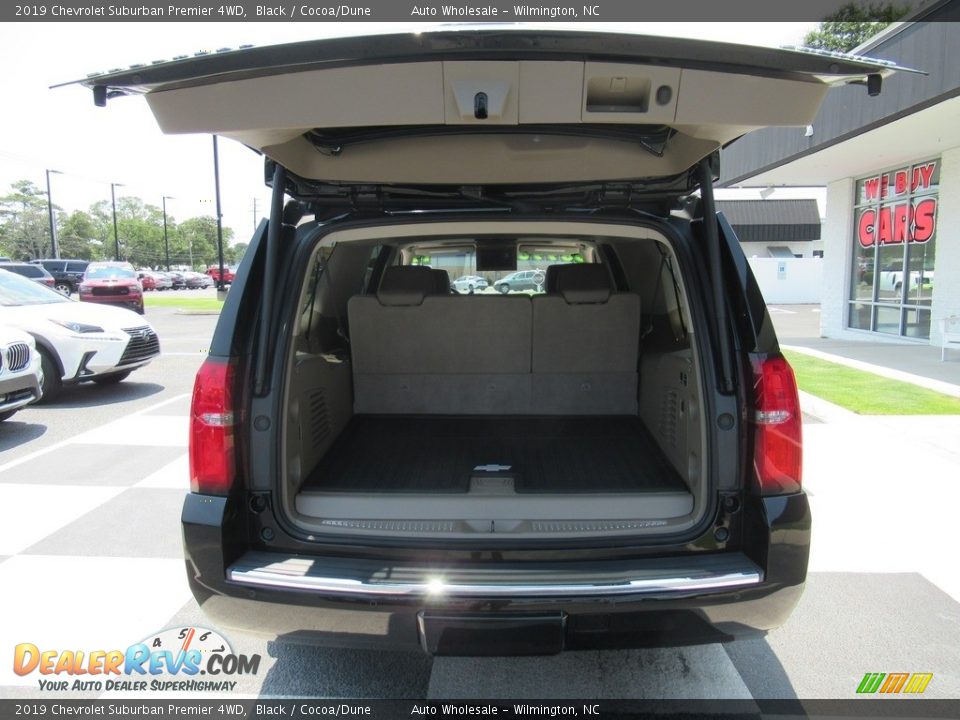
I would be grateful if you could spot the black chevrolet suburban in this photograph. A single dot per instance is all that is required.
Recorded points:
(609, 459)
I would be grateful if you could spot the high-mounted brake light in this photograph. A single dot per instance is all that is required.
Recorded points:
(777, 421)
(212, 418)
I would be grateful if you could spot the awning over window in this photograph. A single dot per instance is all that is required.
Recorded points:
(780, 221)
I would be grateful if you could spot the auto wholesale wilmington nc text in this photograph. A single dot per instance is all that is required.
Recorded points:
(491, 11)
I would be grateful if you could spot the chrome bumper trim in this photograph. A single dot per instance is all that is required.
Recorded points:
(300, 573)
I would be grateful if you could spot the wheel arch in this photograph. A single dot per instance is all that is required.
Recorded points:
(43, 343)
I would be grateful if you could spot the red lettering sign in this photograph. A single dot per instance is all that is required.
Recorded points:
(901, 222)
(896, 224)
(919, 178)
(865, 228)
(900, 182)
(924, 220)
(926, 176)
(884, 226)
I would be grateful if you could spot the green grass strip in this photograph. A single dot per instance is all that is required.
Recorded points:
(866, 393)
(182, 303)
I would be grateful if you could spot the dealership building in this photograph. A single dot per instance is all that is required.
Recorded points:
(891, 166)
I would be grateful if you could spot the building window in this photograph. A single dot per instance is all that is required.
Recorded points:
(894, 246)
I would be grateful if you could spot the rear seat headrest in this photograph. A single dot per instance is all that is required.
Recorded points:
(406, 285)
(550, 283)
(579, 284)
(441, 281)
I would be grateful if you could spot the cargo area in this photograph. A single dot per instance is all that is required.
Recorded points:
(572, 408)
(530, 455)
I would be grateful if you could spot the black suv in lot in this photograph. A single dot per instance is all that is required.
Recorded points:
(611, 460)
(67, 274)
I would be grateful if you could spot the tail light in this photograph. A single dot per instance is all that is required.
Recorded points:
(212, 416)
(778, 441)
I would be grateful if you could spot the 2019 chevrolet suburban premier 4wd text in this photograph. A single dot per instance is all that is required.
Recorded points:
(611, 458)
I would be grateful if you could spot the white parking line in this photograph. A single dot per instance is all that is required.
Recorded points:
(37, 511)
(147, 430)
(61, 602)
(173, 476)
(70, 441)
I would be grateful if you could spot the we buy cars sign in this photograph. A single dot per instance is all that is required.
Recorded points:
(893, 222)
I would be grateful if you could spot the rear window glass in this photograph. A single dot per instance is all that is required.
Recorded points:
(30, 271)
(529, 278)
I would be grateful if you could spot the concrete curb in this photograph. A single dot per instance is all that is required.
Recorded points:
(919, 380)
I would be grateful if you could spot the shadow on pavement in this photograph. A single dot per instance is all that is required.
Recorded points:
(13, 433)
(304, 670)
(90, 394)
(760, 669)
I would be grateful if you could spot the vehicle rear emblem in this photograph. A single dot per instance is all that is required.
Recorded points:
(492, 468)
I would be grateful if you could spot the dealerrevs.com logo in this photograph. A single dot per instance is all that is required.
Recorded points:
(176, 659)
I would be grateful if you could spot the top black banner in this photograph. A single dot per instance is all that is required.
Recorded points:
(390, 11)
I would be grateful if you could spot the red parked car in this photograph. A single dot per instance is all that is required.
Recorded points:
(228, 273)
(114, 283)
(147, 281)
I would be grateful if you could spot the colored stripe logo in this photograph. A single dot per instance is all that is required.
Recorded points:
(894, 683)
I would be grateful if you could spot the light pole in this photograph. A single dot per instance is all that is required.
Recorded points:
(116, 236)
(54, 246)
(216, 182)
(166, 244)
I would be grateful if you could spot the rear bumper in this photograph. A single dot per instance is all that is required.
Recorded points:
(691, 599)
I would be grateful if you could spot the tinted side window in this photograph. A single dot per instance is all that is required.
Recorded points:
(76, 267)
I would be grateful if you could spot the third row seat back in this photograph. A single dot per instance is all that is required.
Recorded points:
(418, 351)
(585, 344)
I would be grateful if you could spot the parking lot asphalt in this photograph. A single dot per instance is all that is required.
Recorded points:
(90, 559)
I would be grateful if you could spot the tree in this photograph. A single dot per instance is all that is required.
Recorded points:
(236, 252)
(197, 237)
(24, 222)
(853, 24)
(80, 237)
(140, 229)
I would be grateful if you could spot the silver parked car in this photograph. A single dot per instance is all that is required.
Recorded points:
(469, 283)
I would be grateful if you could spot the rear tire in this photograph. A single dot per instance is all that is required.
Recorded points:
(504, 289)
(112, 378)
(63, 288)
(52, 384)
